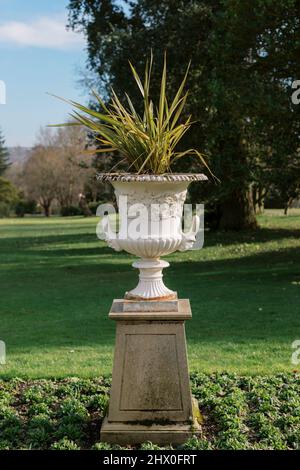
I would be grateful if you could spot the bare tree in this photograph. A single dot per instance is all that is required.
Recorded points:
(73, 164)
(58, 168)
(40, 176)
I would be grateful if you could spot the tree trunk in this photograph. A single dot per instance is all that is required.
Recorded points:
(288, 205)
(255, 197)
(46, 207)
(47, 210)
(238, 211)
(260, 200)
(84, 206)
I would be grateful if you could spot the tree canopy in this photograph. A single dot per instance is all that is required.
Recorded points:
(244, 59)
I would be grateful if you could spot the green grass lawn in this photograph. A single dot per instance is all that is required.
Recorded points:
(58, 281)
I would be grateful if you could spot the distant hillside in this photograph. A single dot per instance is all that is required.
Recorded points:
(18, 154)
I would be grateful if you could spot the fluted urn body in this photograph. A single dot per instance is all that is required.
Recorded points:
(150, 226)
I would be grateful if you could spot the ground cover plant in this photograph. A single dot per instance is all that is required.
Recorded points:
(239, 412)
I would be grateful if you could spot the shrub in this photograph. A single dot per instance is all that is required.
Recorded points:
(70, 211)
(93, 206)
(8, 197)
(24, 206)
(5, 209)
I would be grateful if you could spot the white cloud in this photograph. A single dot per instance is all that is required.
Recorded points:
(43, 32)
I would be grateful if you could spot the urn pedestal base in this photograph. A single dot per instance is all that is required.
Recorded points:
(151, 285)
(150, 396)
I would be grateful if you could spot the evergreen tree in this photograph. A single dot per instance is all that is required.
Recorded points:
(4, 158)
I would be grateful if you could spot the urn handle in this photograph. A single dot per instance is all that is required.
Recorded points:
(189, 238)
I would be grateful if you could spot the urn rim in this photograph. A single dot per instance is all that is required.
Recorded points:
(167, 177)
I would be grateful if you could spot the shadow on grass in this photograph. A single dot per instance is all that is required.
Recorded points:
(211, 239)
(50, 298)
(261, 235)
(69, 304)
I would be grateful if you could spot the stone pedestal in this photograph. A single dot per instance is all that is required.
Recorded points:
(150, 396)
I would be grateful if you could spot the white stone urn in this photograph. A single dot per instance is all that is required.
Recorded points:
(150, 226)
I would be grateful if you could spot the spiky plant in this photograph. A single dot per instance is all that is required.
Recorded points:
(147, 143)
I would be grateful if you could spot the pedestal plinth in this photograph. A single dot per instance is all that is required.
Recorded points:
(150, 396)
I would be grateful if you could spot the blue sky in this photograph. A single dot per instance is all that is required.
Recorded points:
(37, 55)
